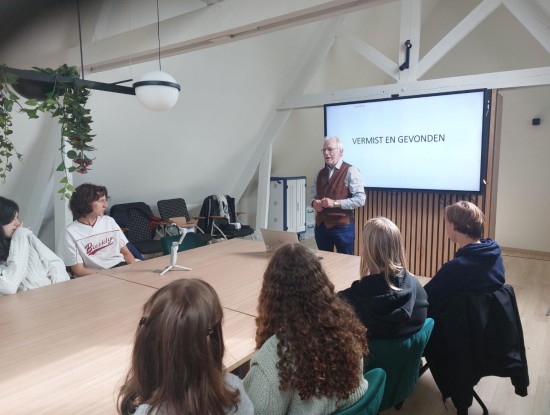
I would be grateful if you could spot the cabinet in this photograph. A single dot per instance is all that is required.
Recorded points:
(287, 204)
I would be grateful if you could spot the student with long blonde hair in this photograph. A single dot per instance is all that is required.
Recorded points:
(388, 299)
(310, 345)
(177, 366)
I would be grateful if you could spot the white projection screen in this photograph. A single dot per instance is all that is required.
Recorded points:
(429, 142)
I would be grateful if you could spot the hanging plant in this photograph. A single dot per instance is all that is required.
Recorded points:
(66, 101)
(7, 100)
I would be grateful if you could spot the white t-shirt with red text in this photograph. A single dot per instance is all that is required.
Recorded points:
(96, 246)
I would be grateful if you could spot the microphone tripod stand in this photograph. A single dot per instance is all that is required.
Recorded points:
(174, 255)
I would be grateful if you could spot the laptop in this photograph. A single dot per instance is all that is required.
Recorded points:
(275, 239)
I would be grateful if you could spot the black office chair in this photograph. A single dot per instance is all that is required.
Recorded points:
(177, 208)
(119, 212)
(476, 335)
(222, 223)
(141, 233)
(173, 208)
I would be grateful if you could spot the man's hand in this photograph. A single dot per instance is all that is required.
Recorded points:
(327, 203)
(317, 205)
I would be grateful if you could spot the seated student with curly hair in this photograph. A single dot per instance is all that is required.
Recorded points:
(310, 344)
(477, 265)
(25, 262)
(93, 241)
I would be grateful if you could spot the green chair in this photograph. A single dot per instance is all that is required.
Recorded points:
(370, 401)
(191, 240)
(401, 360)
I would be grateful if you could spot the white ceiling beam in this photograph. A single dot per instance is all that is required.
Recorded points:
(411, 11)
(459, 32)
(224, 22)
(264, 182)
(370, 53)
(532, 19)
(495, 80)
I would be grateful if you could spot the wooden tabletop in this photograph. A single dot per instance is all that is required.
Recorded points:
(65, 348)
(234, 268)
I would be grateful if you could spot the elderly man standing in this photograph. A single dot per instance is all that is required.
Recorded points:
(336, 192)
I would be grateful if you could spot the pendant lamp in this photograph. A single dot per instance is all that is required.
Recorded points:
(157, 90)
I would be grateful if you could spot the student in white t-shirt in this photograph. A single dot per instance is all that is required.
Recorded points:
(93, 241)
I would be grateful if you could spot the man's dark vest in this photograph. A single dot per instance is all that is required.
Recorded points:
(335, 189)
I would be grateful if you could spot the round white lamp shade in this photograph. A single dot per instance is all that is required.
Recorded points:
(157, 91)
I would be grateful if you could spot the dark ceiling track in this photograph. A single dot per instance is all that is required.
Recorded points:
(46, 81)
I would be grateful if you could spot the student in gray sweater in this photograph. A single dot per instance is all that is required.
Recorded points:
(310, 343)
(177, 362)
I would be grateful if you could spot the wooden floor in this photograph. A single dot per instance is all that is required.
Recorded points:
(531, 281)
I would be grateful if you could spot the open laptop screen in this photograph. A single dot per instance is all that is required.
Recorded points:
(275, 239)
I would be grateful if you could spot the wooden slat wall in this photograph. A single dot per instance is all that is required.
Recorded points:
(419, 215)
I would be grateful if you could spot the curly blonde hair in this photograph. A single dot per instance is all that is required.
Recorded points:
(320, 340)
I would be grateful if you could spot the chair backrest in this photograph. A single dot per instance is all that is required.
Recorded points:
(173, 208)
(369, 403)
(401, 359)
(210, 207)
(119, 212)
(477, 335)
(139, 228)
(191, 240)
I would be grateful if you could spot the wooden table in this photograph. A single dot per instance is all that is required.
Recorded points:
(234, 268)
(65, 348)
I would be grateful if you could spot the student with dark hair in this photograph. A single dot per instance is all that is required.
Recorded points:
(93, 241)
(388, 299)
(25, 262)
(477, 265)
(310, 344)
(177, 361)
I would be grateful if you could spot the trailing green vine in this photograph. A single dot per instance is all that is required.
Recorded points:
(7, 100)
(66, 101)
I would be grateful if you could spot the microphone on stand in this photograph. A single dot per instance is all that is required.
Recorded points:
(174, 254)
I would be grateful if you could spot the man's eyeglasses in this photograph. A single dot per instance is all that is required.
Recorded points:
(329, 150)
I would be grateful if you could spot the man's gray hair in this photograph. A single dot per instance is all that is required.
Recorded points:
(339, 143)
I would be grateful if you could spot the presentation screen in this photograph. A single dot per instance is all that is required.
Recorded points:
(425, 142)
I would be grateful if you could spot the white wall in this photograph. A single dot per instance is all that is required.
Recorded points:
(522, 219)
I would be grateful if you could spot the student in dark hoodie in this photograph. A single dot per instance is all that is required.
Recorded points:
(477, 265)
(389, 300)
